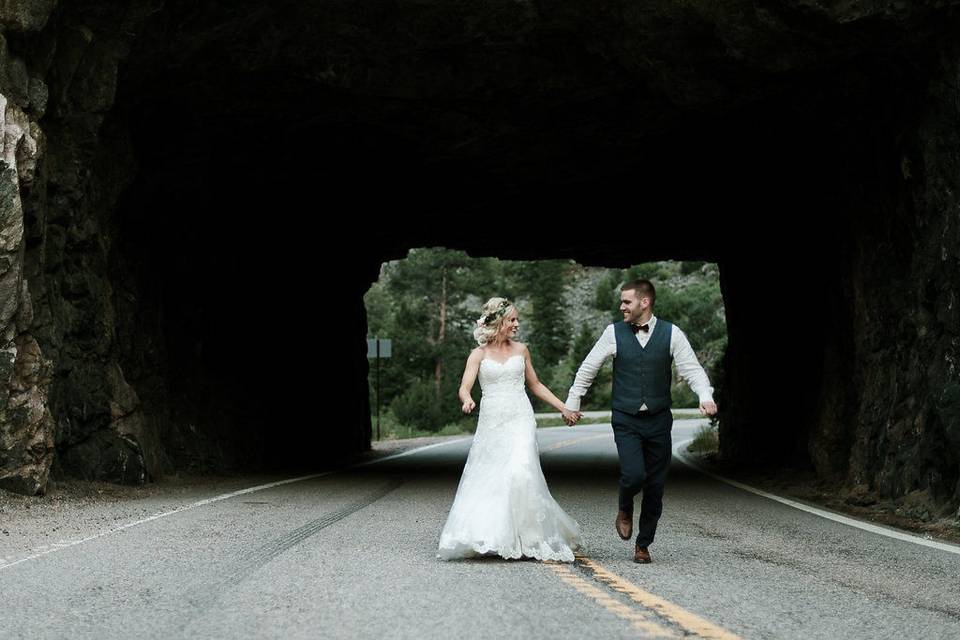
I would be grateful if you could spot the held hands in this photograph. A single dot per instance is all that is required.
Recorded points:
(708, 409)
(571, 417)
(469, 405)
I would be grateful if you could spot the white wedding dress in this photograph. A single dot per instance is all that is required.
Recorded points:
(503, 506)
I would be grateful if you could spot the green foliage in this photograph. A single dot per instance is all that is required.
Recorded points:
(683, 397)
(550, 335)
(706, 441)
(378, 306)
(653, 271)
(545, 329)
(599, 393)
(608, 293)
(558, 422)
(421, 304)
(391, 427)
(417, 407)
(434, 288)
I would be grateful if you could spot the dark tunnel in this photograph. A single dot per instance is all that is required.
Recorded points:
(266, 159)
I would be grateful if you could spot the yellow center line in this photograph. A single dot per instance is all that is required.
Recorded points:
(687, 620)
(636, 619)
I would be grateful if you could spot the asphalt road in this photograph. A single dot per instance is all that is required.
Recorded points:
(353, 555)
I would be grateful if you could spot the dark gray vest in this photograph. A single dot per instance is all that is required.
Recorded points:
(642, 375)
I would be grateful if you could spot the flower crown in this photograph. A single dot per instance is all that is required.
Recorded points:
(490, 317)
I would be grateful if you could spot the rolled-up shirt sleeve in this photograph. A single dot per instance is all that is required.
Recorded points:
(688, 367)
(606, 347)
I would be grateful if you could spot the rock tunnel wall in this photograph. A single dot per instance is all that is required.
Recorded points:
(811, 150)
(69, 401)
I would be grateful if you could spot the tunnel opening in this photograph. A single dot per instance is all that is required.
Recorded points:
(423, 308)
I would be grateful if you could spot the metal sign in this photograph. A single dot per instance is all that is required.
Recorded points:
(386, 347)
(378, 349)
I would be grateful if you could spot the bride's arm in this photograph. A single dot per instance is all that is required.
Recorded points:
(469, 377)
(539, 389)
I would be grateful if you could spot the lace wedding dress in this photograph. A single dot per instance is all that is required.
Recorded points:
(503, 505)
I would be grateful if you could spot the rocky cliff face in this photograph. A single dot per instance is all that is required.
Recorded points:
(64, 169)
(181, 179)
(904, 274)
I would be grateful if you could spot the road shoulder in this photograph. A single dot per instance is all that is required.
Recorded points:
(911, 513)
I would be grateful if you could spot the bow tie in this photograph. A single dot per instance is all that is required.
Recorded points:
(636, 327)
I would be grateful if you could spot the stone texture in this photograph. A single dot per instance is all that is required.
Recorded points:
(25, 15)
(61, 63)
(26, 427)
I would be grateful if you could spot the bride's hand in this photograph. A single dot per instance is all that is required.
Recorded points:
(468, 406)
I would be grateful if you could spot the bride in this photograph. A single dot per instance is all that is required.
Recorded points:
(503, 506)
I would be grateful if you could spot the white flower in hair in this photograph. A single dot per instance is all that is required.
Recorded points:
(487, 319)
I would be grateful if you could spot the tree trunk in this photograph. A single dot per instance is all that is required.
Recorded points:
(438, 372)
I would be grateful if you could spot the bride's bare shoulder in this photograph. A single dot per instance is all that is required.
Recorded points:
(476, 354)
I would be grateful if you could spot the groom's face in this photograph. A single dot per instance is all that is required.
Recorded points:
(632, 305)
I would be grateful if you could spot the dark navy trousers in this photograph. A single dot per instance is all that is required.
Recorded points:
(644, 445)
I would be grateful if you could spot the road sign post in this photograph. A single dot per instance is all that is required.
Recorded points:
(379, 348)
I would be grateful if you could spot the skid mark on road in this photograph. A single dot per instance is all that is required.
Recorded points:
(641, 619)
(209, 594)
(63, 544)
(272, 549)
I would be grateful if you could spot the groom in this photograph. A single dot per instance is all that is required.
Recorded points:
(642, 347)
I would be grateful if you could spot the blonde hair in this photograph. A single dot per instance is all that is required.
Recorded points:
(491, 319)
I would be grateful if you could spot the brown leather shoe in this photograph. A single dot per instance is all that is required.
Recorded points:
(641, 555)
(624, 524)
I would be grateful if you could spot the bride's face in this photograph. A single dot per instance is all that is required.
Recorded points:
(510, 326)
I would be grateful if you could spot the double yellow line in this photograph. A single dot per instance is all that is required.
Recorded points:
(640, 619)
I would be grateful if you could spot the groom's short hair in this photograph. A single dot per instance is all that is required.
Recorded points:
(644, 288)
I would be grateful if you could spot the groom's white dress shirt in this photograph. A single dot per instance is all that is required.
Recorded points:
(688, 367)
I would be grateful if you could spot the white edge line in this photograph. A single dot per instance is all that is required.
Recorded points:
(411, 451)
(69, 543)
(866, 526)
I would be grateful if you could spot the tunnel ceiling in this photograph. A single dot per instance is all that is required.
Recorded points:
(413, 109)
